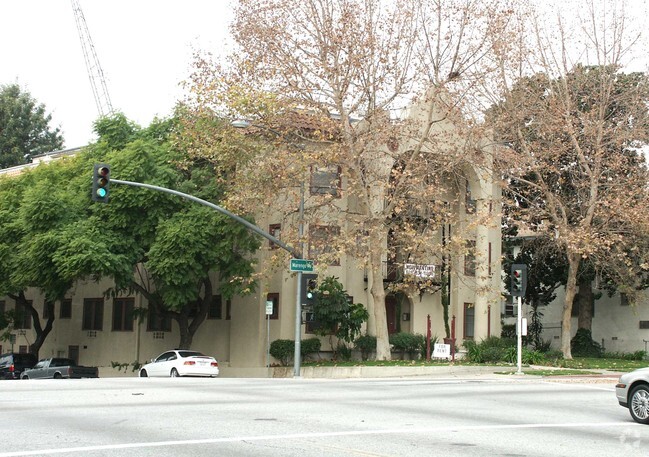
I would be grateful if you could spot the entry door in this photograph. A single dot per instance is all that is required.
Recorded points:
(391, 313)
(73, 353)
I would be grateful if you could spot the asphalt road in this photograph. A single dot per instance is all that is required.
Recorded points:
(308, 417)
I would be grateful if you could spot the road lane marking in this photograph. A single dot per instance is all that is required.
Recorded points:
(234, 439)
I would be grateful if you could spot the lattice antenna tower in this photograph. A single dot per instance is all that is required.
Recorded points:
(95, 73)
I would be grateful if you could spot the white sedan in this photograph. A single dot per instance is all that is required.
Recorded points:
(181, 362)
(632, 391)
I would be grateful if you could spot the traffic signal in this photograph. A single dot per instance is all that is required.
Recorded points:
(100, 182)
(519, 280)
(309, 290)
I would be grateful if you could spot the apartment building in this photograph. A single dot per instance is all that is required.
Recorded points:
(97, 330)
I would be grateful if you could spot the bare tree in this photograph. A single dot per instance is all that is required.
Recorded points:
(575, 122)
(353, 66)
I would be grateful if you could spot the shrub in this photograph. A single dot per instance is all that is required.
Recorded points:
(366, 344)
(530, 357)
(582, 344)
(411, 343)
(508, 331)
(637, 355)
(309, 347)
(491, 349)
(343, 352)
(283, 350)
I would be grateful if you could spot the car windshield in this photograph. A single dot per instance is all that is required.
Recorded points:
(184, 354)
(25, 359)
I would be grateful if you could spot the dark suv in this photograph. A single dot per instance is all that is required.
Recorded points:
(12, 364)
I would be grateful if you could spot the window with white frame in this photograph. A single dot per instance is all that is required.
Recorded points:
(325, 180)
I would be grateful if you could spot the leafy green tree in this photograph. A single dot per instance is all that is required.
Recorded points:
(37, 212)
(24, 127)
(335, 314)
(182, 253)
(179, 255)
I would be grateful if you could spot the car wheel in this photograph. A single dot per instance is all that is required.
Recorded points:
(58, 376)
(174, 373)
(639, 404)
(24, 376)
(143, 374)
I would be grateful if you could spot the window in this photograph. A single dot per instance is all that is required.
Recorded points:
(66, 309)
(469, 201)
(325, 180)
(469, 320)
(275, 230)
(123, 314)
(469, 259)
(23, 316)
(93, 314)
(157, 322)
(489, 258)
(228, 310)
(624, 299)
(644, 325)
(216, 308)
(321, 239)
(274, 297)
(2, 306)
(48, 309)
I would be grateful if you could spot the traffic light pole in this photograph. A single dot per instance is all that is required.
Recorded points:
(250, 225)
(297, 356)
(519, 335)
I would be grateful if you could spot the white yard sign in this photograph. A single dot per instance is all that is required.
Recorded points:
(442, 351)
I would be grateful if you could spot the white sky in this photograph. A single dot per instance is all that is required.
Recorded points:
(144, 47)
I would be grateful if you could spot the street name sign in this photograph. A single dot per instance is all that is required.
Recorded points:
(302, 265)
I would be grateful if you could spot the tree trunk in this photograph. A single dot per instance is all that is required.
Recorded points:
(186, 337)
(585, 300)
(571, 289)
(41, 332)
(378, 295)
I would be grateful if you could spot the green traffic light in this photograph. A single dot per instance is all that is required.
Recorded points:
(101, 192)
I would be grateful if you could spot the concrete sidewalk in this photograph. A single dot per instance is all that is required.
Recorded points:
(445, 371)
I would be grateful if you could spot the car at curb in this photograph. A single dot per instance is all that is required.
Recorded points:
(632, 392)
(13, 364)
(181, 362)
(59, 368)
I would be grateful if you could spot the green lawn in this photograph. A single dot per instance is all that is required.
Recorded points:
(602, 364)
(576, 365)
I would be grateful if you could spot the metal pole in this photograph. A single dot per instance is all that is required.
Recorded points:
(297, 357)
(267, 341)
(428, 338)
(224, 211)
(519, 336)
